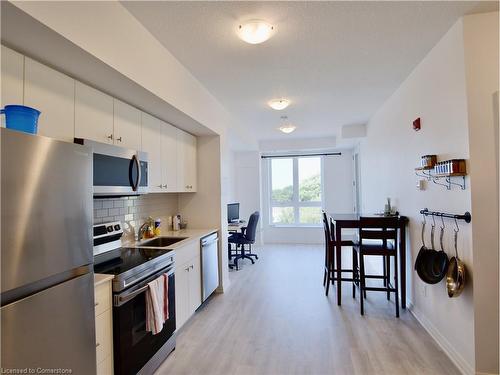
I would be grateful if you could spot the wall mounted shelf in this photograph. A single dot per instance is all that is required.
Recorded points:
(450, 179)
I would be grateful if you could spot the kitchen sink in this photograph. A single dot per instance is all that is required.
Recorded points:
(162, 241)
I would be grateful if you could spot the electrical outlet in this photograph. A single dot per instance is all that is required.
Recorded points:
(424, 290)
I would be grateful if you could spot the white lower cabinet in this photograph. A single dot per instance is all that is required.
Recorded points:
(187, 282)
(104, 329)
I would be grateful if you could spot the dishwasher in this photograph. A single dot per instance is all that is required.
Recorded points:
(209, 264)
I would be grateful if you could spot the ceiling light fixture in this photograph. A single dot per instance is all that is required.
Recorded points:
(286, 128)
(255, 31)
(279, 104)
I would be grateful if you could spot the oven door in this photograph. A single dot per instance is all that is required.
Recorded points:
(133, 345)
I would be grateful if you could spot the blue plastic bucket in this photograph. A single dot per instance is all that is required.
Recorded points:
(21, 118)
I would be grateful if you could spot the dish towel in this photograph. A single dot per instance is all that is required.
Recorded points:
(157, 304)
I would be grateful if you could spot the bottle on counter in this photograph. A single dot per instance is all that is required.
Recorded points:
(176, 225)
(157, 229)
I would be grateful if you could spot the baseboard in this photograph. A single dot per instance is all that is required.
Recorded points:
(486, 373)
(443, 343)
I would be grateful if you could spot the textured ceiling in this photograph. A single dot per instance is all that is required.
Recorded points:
(336, 61)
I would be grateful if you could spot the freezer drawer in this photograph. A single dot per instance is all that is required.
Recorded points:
(52, 329)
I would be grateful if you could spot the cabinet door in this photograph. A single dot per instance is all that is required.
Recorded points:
(93, 114)
(195, 284)
(186, 163)
(169, 157)
(151, 143)
(127, 125)
(182, 305)
(53, 94)
(12, 78)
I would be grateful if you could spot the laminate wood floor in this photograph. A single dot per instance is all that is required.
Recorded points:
(275, 319)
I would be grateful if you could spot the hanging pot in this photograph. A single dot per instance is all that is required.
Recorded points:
(455, 277)
(422, 255)
(429, 260)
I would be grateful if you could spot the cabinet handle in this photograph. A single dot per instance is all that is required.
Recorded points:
(159, 186)
(96, 304)
(110, 136)
(119, 139)
(186, 269)
(165, 186)
(97, 344)
(191, 266)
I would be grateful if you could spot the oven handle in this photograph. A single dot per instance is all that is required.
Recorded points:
(120, 300)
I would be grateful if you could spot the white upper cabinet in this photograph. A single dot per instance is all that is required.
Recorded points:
(169, 156)
(151, 143)
(186, 162)
(12, 77)
(53, 94)
(127, 125)
(93, 114)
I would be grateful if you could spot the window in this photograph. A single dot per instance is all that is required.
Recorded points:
(296, 191)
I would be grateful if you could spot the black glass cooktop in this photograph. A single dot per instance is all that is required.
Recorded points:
(123, 259)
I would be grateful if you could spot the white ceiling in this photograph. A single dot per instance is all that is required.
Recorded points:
(336, 61)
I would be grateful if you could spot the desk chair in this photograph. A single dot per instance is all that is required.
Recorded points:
(245, 237)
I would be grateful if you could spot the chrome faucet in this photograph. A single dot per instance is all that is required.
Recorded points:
(143, 228)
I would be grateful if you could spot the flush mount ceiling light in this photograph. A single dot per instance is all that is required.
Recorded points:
(279, 104)
(255, 31)
(286, 128)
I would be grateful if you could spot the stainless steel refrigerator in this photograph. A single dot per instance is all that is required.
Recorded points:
(47, 293)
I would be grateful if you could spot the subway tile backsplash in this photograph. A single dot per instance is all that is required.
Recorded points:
(133, 211)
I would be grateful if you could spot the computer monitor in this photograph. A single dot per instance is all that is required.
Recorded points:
(233, 212)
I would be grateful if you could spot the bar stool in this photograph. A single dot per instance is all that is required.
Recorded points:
(378, 237)
(329, 268)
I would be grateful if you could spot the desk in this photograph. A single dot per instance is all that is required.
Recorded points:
(352, 221)
(236, 227)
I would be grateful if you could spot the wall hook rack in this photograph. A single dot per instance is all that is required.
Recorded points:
(466, 216)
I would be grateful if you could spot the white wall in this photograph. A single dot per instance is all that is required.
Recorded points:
(338, 198)
(436, 92)
(246, 185)
(481, 63)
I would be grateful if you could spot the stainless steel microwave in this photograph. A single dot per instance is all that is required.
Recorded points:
(117, 171)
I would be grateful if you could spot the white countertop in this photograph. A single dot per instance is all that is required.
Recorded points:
(189, 234)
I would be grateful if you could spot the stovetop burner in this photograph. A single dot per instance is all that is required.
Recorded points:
(123, 259)
(129, 265)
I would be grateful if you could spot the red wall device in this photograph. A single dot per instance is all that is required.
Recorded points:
(416, 124)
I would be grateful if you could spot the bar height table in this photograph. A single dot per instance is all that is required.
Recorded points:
(344, 221)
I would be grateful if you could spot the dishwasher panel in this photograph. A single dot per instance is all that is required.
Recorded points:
(209, 264)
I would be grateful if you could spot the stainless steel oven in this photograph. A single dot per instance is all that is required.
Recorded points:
(117, 171)
(137, 351)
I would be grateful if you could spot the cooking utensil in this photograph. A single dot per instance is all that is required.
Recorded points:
(440, 260)
(419, 262)
(455, 277)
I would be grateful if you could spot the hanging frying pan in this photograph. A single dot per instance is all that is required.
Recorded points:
(422, 254)
(455, 277)
(438, 261)
(429, 259)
